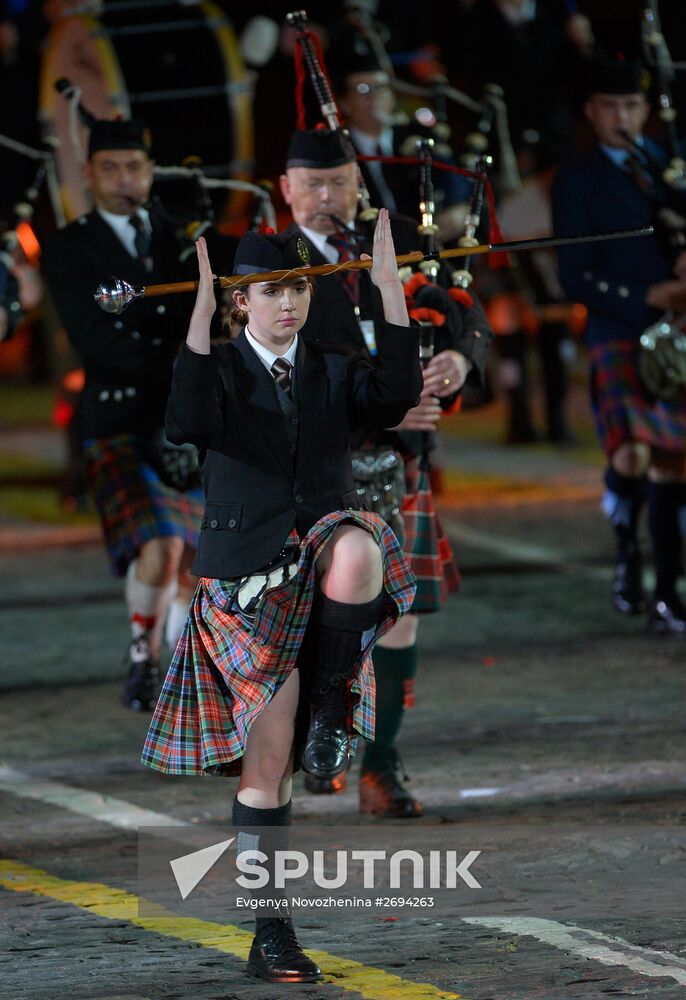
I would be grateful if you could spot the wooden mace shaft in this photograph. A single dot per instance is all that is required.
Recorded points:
(415, 257)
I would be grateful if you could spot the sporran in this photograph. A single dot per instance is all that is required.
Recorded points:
(379, 477)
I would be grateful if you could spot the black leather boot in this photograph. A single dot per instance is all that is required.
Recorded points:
(667, 617)
(142, 686)
(276, 955)
(382, 793)
(327, 750)
(337, 646)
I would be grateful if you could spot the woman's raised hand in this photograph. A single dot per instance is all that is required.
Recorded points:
(384, 272)
(384, 268)
(205, 302)
(198, 338)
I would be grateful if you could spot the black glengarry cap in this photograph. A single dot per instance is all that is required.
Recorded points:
(118, 134)
(256, 253)
(616, 76)
(319, 148)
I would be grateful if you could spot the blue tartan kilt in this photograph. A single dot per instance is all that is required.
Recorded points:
(133, 503)
(623, 410)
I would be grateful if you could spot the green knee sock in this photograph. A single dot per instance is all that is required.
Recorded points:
(393, 669)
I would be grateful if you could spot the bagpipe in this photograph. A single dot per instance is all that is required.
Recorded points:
(18, 242)
(662, 355)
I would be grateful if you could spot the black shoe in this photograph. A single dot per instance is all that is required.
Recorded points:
(327, 750)
(628, 595)
(667, 618)
(326, 786)
(142, 686)
(278, 958)
(381, 793)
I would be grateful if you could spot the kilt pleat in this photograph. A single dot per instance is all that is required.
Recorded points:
(133, 503)
(225, 671)
(426, 544)
(623, 410)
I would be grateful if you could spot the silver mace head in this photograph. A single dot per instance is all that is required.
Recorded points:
(115, 294)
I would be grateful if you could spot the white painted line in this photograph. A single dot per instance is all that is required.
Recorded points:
(478, 793)
(579, 941)
(105, 808)
(518, 551)
(590, 945)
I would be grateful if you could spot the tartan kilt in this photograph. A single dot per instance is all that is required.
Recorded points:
(226, 670)
(623, 410)
(133, 503)
(426, 543)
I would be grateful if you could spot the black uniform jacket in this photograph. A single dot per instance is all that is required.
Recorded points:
(127, 359)
(268, 463)
(332, 319)
(610, 278)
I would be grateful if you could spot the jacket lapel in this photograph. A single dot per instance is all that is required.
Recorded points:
(258, 389)
(620, 184)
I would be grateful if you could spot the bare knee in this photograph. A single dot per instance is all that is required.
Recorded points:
(402, 635)
(631, 459)
(159, 560)
(352, 566)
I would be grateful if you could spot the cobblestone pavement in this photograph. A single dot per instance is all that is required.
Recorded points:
(539, 711)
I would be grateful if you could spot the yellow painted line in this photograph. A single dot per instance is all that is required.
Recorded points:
(117, 904)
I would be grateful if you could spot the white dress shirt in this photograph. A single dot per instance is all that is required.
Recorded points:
(123, 228)
(266, 356)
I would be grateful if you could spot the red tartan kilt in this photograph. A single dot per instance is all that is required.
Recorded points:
(426, 544)
(622, 409)
(224, 672)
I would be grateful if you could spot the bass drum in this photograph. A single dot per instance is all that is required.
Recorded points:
(175, 65)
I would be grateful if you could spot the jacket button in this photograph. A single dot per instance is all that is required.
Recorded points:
(214, 524)
(232, 522)
(294, 420)
(298, 498)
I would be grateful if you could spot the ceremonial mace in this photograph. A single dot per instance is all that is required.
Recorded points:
(115, 295)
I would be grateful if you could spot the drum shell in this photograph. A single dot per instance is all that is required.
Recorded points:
(175, 65)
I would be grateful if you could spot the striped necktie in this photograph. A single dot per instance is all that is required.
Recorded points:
(350, 280)
(281, 370)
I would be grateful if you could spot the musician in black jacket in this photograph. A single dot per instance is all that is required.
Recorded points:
(320, 185)
(365, 96)
(626, 285)
(273, 416)
(150, 527)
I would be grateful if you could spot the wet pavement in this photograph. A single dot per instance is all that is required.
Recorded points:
(539, 710)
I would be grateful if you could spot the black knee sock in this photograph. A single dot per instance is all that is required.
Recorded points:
(278, 817)
(393, 669)
(664, 502)
(339, 629)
